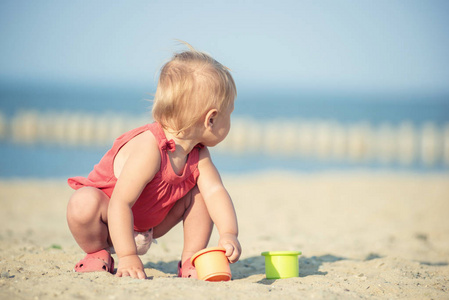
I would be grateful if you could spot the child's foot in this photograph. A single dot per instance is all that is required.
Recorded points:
(187, 270)
(99, 261)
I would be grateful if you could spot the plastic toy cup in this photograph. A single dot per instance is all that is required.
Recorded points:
(281, 264)
(211, 264)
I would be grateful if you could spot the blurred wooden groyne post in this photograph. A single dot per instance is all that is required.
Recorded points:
(404, 143)
(332, 141)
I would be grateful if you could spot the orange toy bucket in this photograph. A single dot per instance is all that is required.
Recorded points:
(211, 264)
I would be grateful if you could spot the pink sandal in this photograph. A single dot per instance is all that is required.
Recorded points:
(96, 262)
(187, 270)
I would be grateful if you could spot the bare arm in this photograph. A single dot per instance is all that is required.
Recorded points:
(139, 168)
(219, 205)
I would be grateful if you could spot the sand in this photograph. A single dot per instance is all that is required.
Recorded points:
(362, 235)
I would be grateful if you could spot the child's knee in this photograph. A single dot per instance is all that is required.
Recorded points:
(84, 205)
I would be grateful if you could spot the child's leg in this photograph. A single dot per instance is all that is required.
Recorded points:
(197, 226)
(197, 223)
(87, 214)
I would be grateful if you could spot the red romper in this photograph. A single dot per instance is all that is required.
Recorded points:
(161, 193)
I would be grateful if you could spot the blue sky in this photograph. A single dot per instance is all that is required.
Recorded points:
(352, 45)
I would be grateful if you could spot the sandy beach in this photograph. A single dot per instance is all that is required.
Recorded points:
(362, 235)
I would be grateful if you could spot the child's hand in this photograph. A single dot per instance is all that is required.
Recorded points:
(232, 246)
(130, 265)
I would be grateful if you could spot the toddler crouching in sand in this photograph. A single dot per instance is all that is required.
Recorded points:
(161, 173)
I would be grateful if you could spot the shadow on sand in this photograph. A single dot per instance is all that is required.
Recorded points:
(308, 266)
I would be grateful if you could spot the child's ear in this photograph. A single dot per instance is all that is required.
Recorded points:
(210, 118)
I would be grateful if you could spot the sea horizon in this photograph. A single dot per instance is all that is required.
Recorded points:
(376, 111)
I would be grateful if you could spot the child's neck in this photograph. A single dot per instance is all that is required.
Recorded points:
(183, 145)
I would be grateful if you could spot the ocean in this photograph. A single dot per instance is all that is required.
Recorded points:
(260, 106)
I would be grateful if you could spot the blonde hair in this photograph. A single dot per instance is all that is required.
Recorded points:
(189, 85)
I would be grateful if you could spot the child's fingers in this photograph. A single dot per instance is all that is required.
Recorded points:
(141, 275)
(234, 257)
(232, 253)
(121, 273)
(229, 249)
(132, 273)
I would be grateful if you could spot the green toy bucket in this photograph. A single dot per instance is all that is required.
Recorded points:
(281, 264)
